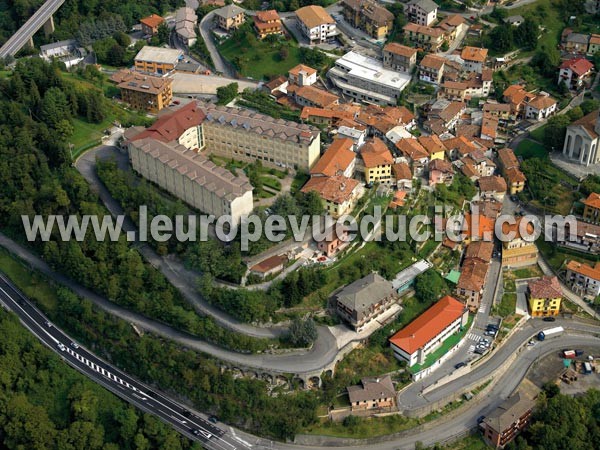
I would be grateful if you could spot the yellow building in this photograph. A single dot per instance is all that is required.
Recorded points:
(518, 252)
(434, 146)
(509, 165)
(378, 161)
(143, 92)
(157, 60)
(367, 15)
(339, 193)
(545, 295)
(266, 23)
(591, 210)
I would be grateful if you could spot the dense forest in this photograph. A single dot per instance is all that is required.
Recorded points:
(44, 404)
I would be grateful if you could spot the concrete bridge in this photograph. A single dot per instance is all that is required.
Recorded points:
(41, 18)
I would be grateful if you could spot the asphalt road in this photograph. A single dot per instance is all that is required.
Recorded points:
(190, 423)
(35, 22)
(220, 437)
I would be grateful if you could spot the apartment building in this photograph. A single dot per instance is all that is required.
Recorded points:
(421, 12)
(338, 192)
(544, 296)
(509, 166)
(431, 69)
(474, 58)
(157, 60)
(364, 300)
(191, 177)
(366, 79)
(517, 251)
(245, 135)
(229, 17)
(430, 39)
(316, 24)
(504, 423)
(429, 331)
(267, 23)
(399, 57)
(368, 16)
(143, 92)
(377, 160)
(583, 278)
(591, 208)
(302, 75)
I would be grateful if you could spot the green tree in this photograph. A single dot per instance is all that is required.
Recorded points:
(303, 332)
(555, 131)
(55, 108)
(526, 34)
(501, 38)
(429, 286)
(225, 94)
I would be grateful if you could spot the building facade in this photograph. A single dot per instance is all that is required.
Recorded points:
(583, 278)
(229, 17)
(316, 24)
(582, 140)
(421, 12)
(368, 16)
(544, 296)
(143, 92)
(157, 60)
(399, 57)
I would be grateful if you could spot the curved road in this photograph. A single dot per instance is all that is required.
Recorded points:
(221, 437)
(205, 31)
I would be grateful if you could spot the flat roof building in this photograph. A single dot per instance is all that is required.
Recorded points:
(157, 60)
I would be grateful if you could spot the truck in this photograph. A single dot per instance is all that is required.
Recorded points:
(587, 368)
(549, 333)
(569, 354)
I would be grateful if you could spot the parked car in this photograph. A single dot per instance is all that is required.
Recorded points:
(548, 319)
(213, 419)
(460, 364)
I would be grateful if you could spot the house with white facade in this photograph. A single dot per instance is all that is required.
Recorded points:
(421, 12)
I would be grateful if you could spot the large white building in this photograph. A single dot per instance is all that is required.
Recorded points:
(421, 12)
(583, 279)
(582, 139)
(428, 331)
(365, 79)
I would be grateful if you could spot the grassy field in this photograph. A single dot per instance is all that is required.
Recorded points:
(259, 59)
(538, 133)
(548, 17)
(557, 256)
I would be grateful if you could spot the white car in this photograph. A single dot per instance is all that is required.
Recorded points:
(75, 345)
(61, 347)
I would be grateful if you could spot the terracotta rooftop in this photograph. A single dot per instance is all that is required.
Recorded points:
(480, 249)
(421, 29)
(580, 66)
(508, 158)
(432, 144)
(402, 171)
(401, 50)
(472, 275)
(152, 21)
(169, 127)
(585, 269)
(474, 54)
(337, 189)
(269, 264)
(593, 200)
(492, 183)
(478, 226)
(508, 228)
(313, 16)
(432, 61)
(441, 165)
(375, 153)
(269, 15)
(542, 102)
(315, 95)
(295, 71)
(545, 287)
(428, 325)
(514, 175)
(411, 148)
(336, 158)
(461, 144)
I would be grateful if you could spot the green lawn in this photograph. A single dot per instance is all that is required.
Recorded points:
(538, 133)
(548, 17)
(259, 59)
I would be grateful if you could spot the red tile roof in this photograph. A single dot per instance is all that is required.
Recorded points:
(474, 54)
(545, 287)
(337, 189)
(492, 183)
(170, 127)
(402, 171)
(375, 153)
(401, 50)
(585, 269)
(593, 200)
(336, 158)
(152, 21)
(579, 66)
(428, 325)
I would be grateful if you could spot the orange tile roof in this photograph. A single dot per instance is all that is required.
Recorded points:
(480, 249)
(472, 275)
(400, 113)
(545, 287)
(402, 171)
(485, 226)
(593, 200)
(152, 20)
(428, 325)
(171, 126)
(315, 95)
(302, 68)
(514, 175)
(313, 16)
(432, 61)
(508, 228)
(493, 183)
(375, 153)
(580, 66)
(474, 54)
(337, 189)
(267, 16)
(269, 264)
(411, 148)
(542, 102)
(401, 50)
(585, 269)
(336, 158)
(432, 144)
(508, 158)
(461, 144)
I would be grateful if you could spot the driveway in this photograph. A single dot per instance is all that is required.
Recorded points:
(206, 25)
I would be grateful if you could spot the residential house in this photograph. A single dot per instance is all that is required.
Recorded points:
(544, 296)
(372, 393)
(364, 300)
(334, 241)
(576, 43)
(403, 176)
(517, 97)
(433, 145)
(582, 139)
(509, 166)
(504, 423)
(316, 24)
(399, 57)
(157, 60)
(150, 24)
(338, 159)
(449, 112)
(302, 75)
(575, 73)
(267, 23)
(339, 193)
(459, 147)
(492, 187)
(516, 250)
(583, 279)
(431, 68)
(430, 39)
(368, 16)
(143, 92)
(474, 58)
(377, 160)
(489, 129)
(471, 282)
(429, 331)
(479, 165)
(269, 266)
(414, 154)
(440, 172)
(229, 17)
(277, 86)
(186, 21)
(421, 12)
(453, 26)
(500, 111)
(541, 107)
(482, 250)
(322, 116)
(312, 96)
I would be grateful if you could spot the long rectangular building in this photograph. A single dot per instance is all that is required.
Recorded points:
(428, 331)
(246, 135)
(191, 177)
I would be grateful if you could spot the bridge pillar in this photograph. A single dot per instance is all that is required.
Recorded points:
(49, 26)
(30, 42)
